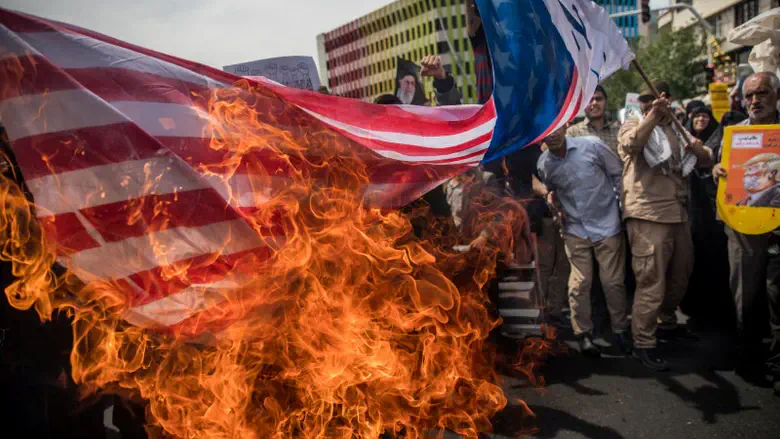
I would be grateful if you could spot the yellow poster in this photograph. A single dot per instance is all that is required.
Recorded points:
(749, 197)
(719, 95)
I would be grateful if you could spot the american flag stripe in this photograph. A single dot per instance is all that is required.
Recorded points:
(106, 132)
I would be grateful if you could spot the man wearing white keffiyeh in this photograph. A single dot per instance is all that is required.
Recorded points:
(657, 161)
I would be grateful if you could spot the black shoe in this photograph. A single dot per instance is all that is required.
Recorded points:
(678, 333)
(624, 342)
(559, 320)
(587, 348)
(650, 358)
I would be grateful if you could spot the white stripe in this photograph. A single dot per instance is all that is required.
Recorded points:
(177, 307)
(65, 110)
(31, 115)
(100, 185)
(433, 157)
(410, 139)
(72, 51)
(515, 286)
(528, 313)
(72, 191)
(120, 259)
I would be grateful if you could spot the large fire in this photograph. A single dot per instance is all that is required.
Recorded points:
(350, 327)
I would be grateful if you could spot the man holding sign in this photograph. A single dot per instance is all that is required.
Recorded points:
(754, 260)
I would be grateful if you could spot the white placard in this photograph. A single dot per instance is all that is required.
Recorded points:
(747, 140)
(291, 71)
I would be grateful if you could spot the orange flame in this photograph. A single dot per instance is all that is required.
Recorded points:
(352, 328)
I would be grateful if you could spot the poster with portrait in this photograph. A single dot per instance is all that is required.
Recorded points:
(749, 198)
(290, 71)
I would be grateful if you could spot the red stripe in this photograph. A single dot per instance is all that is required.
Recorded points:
(110, 84)
(129, 219)
(384, 117)
(54, 153)
(67, 233)
(416, 151)
(569, 97)
(161, 282)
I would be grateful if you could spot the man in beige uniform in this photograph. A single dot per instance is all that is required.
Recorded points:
(654, 207)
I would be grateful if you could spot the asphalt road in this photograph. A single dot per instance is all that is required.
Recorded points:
(616, 397)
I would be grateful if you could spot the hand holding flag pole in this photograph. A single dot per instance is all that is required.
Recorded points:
(677, 123)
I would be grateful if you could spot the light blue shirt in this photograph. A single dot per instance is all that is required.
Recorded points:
(587, 183)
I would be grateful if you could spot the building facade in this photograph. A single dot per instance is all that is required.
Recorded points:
(358, 59)
(631, 26)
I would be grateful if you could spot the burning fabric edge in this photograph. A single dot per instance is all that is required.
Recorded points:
(353, 327)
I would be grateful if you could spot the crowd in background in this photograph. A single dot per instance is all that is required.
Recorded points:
(626, 223)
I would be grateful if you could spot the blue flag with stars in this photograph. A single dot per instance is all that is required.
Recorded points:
(548, 56)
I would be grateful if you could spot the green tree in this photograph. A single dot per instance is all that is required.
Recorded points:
(672, 57)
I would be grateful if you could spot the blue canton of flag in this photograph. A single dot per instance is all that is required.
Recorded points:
(548, 56)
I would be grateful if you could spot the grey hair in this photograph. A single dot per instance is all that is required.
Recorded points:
(774, 81)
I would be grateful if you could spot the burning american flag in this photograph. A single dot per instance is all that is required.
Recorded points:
(259, 219)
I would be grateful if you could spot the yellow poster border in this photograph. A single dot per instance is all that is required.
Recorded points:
(744, 219)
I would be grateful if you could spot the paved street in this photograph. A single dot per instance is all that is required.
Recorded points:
(616, 397)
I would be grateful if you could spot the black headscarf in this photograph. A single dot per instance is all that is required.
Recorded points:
(405, 68)
(692, 105)
(705, 134)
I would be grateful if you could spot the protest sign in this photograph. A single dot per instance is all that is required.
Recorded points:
(291, 71)
(632, 104)
(749, 197)
(719, 96)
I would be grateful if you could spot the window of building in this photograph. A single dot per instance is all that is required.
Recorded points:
(745, 11)
(430, 26)
(456, 45)
(427, 5)
(715, 22)
(442, 47)
(404, 14)
(454, 21)
(438, 24)
(416, 10)
(396, 39)
(413, 34)
(470, 89)
(462, 21)
(433, 2)
(407, 35)
(468, 68)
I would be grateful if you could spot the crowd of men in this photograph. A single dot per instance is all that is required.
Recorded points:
(616, 185)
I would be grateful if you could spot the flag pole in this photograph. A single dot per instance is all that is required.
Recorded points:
(649, 83)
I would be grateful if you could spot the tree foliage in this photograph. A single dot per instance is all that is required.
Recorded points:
(672, 58)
